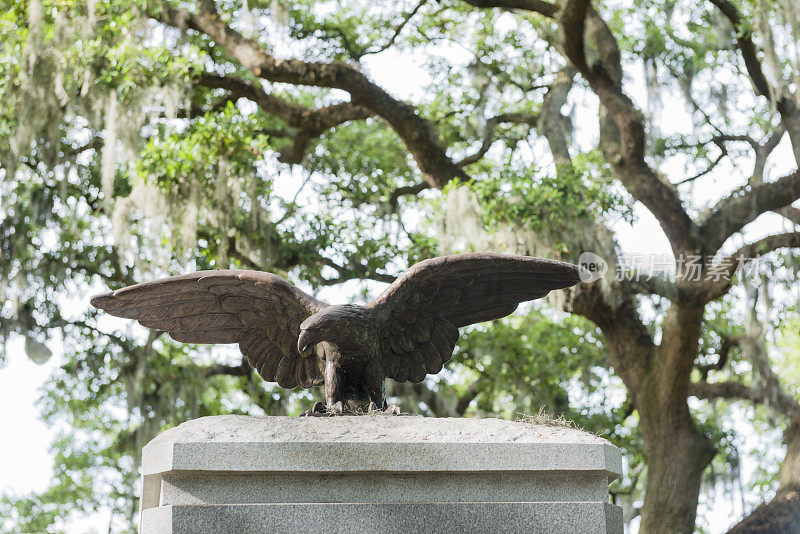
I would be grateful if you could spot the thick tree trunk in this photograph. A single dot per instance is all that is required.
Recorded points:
(677, 455)
(657, 379)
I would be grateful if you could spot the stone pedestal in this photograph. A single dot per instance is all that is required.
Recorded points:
(376, 473)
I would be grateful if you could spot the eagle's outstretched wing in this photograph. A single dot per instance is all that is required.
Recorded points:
(420, 313)
(260, 311)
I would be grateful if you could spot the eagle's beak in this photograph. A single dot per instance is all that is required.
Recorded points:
(305, 341)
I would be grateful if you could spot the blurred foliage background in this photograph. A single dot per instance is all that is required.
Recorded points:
(136, 143)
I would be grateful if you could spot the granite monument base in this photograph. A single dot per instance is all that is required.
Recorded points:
(377, 473)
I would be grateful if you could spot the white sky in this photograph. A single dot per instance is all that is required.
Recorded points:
(26, 463)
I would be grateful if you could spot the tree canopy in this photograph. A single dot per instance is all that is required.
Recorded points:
(145, 138)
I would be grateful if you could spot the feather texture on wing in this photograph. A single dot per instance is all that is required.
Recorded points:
(420, 313)
(260, 311)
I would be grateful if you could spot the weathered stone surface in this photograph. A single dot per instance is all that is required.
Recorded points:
(377, 472)
(250, 488)
(388, 518)
(375, 443)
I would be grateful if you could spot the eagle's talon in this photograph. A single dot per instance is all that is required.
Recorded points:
(317, 410)
(338, 408)
(393, 409)
(372, 408)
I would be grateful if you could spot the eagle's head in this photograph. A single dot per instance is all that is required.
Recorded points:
(335, 324)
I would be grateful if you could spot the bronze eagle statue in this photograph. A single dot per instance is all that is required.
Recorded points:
(293, 339)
